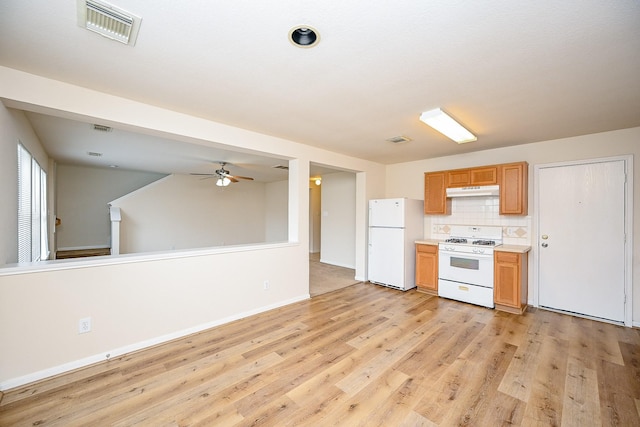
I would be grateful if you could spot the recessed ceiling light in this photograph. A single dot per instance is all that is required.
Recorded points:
(443, 123)
(304, 36)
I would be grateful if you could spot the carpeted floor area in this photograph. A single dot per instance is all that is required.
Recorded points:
(325, 278)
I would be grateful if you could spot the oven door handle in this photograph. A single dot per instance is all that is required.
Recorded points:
(465, 254)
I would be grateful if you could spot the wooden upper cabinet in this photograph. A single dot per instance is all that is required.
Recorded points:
(511, 177)
(458, 178)
(514, 188)
(484, 176)
(476, 176)
(435, 194)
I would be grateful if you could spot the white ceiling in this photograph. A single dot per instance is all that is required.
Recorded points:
(513, 72)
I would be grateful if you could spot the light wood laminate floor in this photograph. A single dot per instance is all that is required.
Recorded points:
(363, 355)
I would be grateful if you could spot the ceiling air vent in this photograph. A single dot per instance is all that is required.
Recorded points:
(398, 139)
(108, 21)
(102, 128)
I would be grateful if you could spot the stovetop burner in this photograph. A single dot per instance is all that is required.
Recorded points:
(456, 240)
(484, 242)
(471, 237)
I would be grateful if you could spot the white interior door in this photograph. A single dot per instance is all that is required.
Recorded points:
(581, 241)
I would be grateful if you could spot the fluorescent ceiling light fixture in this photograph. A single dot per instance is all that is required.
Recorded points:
(443, 123)
(223, 181)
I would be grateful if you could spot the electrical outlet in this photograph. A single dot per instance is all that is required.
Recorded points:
(266, 285)
(84, 325)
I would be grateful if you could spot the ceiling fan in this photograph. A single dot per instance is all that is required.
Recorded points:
(223, 175)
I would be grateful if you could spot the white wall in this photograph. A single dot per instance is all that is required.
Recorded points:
(14, 127)
(82, 202)
(184, 212)
(175, 293)
(338, 229)
(406, 180)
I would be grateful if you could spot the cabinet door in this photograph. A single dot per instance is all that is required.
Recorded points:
(458, 178)
(513, 189)
(427, 267)
(507, 279)
(435, 196)
(484, 176)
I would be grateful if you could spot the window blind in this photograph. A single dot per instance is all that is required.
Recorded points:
(32, 208)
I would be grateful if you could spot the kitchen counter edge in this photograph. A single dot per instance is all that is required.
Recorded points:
(428, 242)
(520, 249)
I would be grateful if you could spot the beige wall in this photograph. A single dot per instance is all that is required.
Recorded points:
(140, 300)
(183, 212)
(82, 202)
(337, 219)
(406, 180)
(276, 217)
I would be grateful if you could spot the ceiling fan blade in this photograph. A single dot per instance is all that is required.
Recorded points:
(231, 178)
(241, 177)
(203, 174)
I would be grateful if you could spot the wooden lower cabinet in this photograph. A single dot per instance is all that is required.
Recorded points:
(427, 268)
(510, 281)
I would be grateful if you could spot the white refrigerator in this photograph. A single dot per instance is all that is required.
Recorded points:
(394, 226)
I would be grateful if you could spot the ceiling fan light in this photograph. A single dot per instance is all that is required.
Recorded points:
(443, 123)
(223, 181)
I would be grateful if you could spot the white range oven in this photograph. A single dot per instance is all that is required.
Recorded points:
(465, 264)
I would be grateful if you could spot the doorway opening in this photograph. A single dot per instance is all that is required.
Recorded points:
(332, 223)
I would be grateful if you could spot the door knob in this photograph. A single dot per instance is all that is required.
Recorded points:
(545, 237)
(544, 245)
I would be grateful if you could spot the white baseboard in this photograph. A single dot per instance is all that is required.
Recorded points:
(337, 264)
(107, 355)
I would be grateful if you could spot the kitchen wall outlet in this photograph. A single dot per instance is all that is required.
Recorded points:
(266, 285)
(84, 325)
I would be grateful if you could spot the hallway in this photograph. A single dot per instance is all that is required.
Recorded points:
(325, 278)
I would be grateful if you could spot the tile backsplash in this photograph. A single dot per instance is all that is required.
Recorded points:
(516, 230)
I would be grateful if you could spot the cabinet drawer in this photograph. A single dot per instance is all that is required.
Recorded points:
(430, 249)
(509, 257)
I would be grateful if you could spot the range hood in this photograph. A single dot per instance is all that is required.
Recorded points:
(477, 191)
